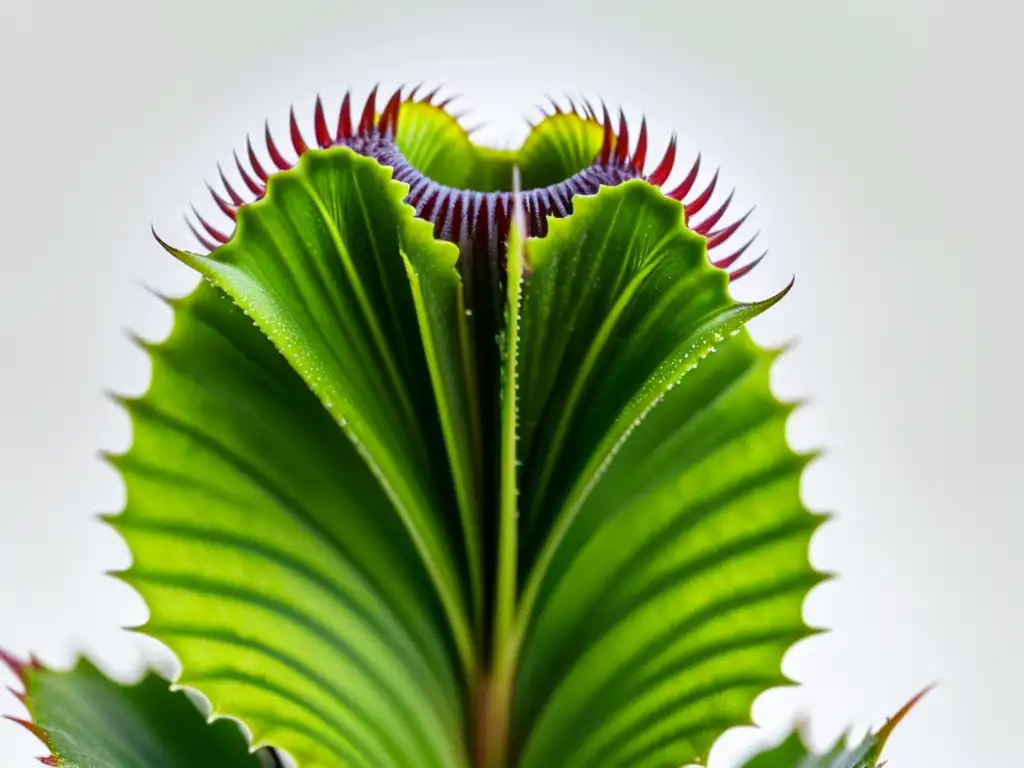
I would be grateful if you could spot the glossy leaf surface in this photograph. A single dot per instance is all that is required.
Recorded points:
(307, 491)
(272, 561)
(665, 541)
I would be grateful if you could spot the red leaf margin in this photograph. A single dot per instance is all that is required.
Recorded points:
(22, 669)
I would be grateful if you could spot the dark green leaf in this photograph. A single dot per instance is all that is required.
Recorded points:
(89, 721)
(793, 752)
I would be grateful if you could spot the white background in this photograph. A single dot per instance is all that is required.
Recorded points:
(880, 140)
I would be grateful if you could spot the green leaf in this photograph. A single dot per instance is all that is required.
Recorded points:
(273, 563)
(323, 265)
(89, 721)
(793, 752)
(664, 533)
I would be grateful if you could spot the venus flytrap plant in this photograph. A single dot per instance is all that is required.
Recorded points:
(437, 468)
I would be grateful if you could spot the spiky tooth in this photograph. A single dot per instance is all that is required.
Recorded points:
(254, 161)
(606, 143)
(253, 187)
(622, 141)
(209, 245)
(226, 208)
(323, 136)
(275, 155)
(29, 726)
(736, 274)
(661, 173)
(236, 198)
(728, 261)
(705, 226)
(366, 122)
(687, 183)
(693, 208)
(298, 143)
(719, 236)
(640, 154)
(345, 118)
(215, 233)
(429, 98)
(389, 117)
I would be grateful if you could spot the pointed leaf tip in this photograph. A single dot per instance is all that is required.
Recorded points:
(692, 209)
(444, 103)
(719, 236)
(209, 245)
(236, 198)
(890, 725)
(344, 130)
(687, 183)
(713, 218)
(640, 154)
(739, 272)
(608, 138)
(18, 666)
(728, 261)
(389, 117)
(661, 173)
(225, 207)
(29, 726)
(254, 161)
(369, 112)
(298, 143)
(429, 98)
(622, 141)
(215, 233)
(323, 136)
(275, 155)
(247, 179)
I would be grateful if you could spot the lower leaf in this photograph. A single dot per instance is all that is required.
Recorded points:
(89, 721)
(793, 752)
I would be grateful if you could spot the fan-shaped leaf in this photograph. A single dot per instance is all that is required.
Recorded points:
(273, 563)
(668, 544)
(322, 265)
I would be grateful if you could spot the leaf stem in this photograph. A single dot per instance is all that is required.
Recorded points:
(496, 702)
(493, 716)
